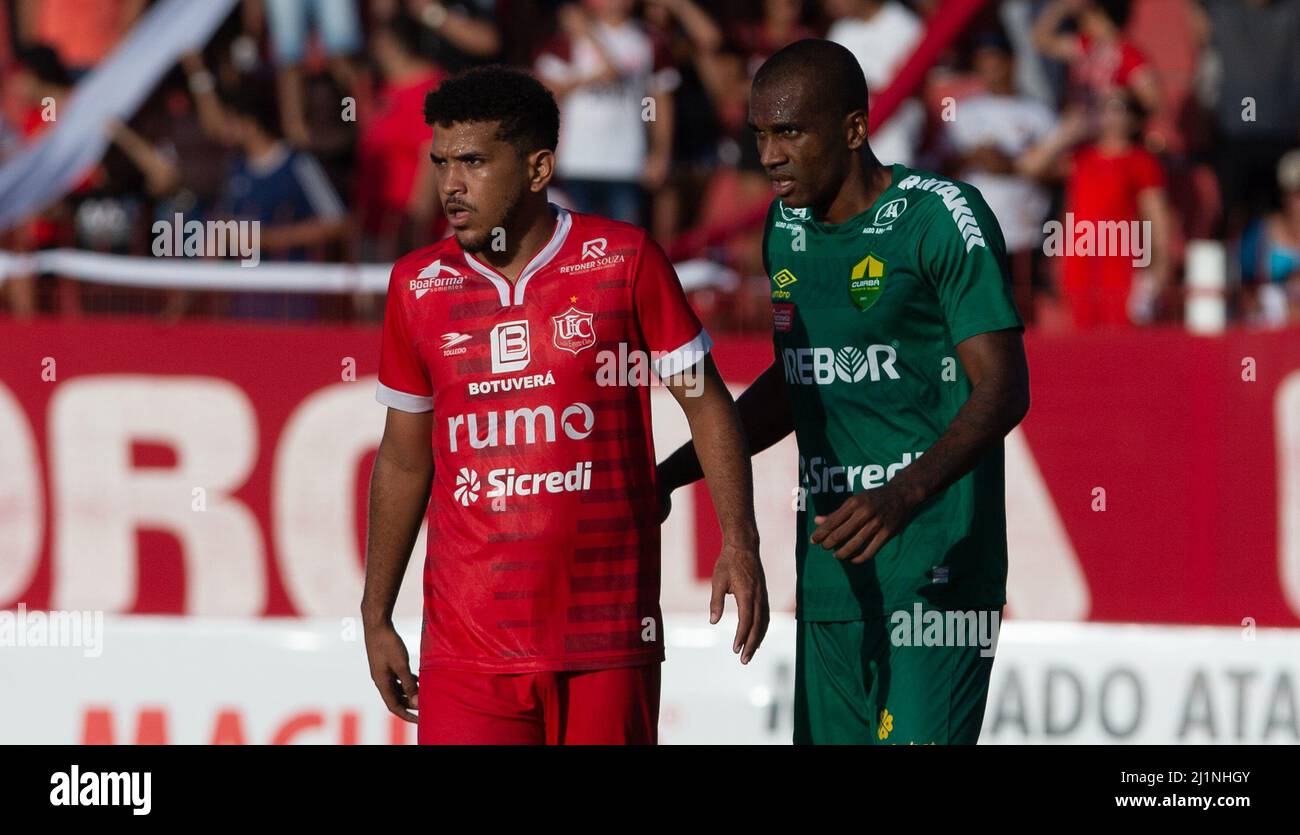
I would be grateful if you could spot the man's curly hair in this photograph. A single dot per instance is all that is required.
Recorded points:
(524, 109)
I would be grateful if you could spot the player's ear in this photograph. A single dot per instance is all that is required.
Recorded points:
(855, 129)
(541, 168)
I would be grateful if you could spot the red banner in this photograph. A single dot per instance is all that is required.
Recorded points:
(221, 469)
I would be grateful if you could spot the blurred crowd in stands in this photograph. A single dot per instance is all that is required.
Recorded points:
(306, 115)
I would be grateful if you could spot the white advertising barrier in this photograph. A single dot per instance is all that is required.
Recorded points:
(273, 681)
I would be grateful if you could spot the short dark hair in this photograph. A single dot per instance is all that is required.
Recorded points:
(44, 63)
(255, 100)
(405, 31)
(524, 109)
(991, 38)
(839, 82)
(1117, 11)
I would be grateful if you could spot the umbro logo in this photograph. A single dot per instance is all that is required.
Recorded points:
(783, 278)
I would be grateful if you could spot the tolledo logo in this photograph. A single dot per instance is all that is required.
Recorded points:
(467, 486)
(823, 366)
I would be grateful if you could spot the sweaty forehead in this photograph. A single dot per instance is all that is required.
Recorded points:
(789, 100)
(463, 137)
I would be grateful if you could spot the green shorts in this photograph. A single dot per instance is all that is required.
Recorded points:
(855, 686)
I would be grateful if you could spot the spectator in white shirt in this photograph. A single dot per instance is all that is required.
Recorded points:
(882, 34)
(988, 136)
(614, 84)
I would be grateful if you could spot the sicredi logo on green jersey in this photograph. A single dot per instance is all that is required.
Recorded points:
(819, 475)
(824, 366)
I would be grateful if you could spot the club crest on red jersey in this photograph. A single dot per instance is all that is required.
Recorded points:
(574, 330)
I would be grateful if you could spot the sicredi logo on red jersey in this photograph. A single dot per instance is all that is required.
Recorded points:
(507, 482)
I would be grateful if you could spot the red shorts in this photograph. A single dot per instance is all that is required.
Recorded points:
(618, 706)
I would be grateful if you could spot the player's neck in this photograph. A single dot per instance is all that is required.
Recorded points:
(535, 224)
(867, 180)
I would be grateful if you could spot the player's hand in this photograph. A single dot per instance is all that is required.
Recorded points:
(739, 572)
(390, 670)
(861, 526)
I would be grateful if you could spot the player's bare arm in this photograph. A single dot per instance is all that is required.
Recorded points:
(399, 495)
(722, 453)
(999, 399)
(765, 418)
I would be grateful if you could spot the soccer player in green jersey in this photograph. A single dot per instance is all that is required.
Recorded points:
(900, 367)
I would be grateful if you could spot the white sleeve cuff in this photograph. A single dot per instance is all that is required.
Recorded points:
(675, 362)
(402, 401)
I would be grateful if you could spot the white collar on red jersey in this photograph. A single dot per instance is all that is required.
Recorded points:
(544, 256)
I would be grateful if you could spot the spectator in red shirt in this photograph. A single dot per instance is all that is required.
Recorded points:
(1110, 180)
(42, 86)
(395, 198)
(1101, 60)
(82, 32)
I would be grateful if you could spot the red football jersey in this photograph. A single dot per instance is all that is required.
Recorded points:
(1106, 186)
(543, 545)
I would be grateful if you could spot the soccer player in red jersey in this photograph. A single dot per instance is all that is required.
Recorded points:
(518, 420)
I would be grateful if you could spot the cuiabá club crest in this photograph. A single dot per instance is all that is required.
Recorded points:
(574, 330)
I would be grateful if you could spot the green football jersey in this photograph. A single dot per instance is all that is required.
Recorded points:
(867, 314)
